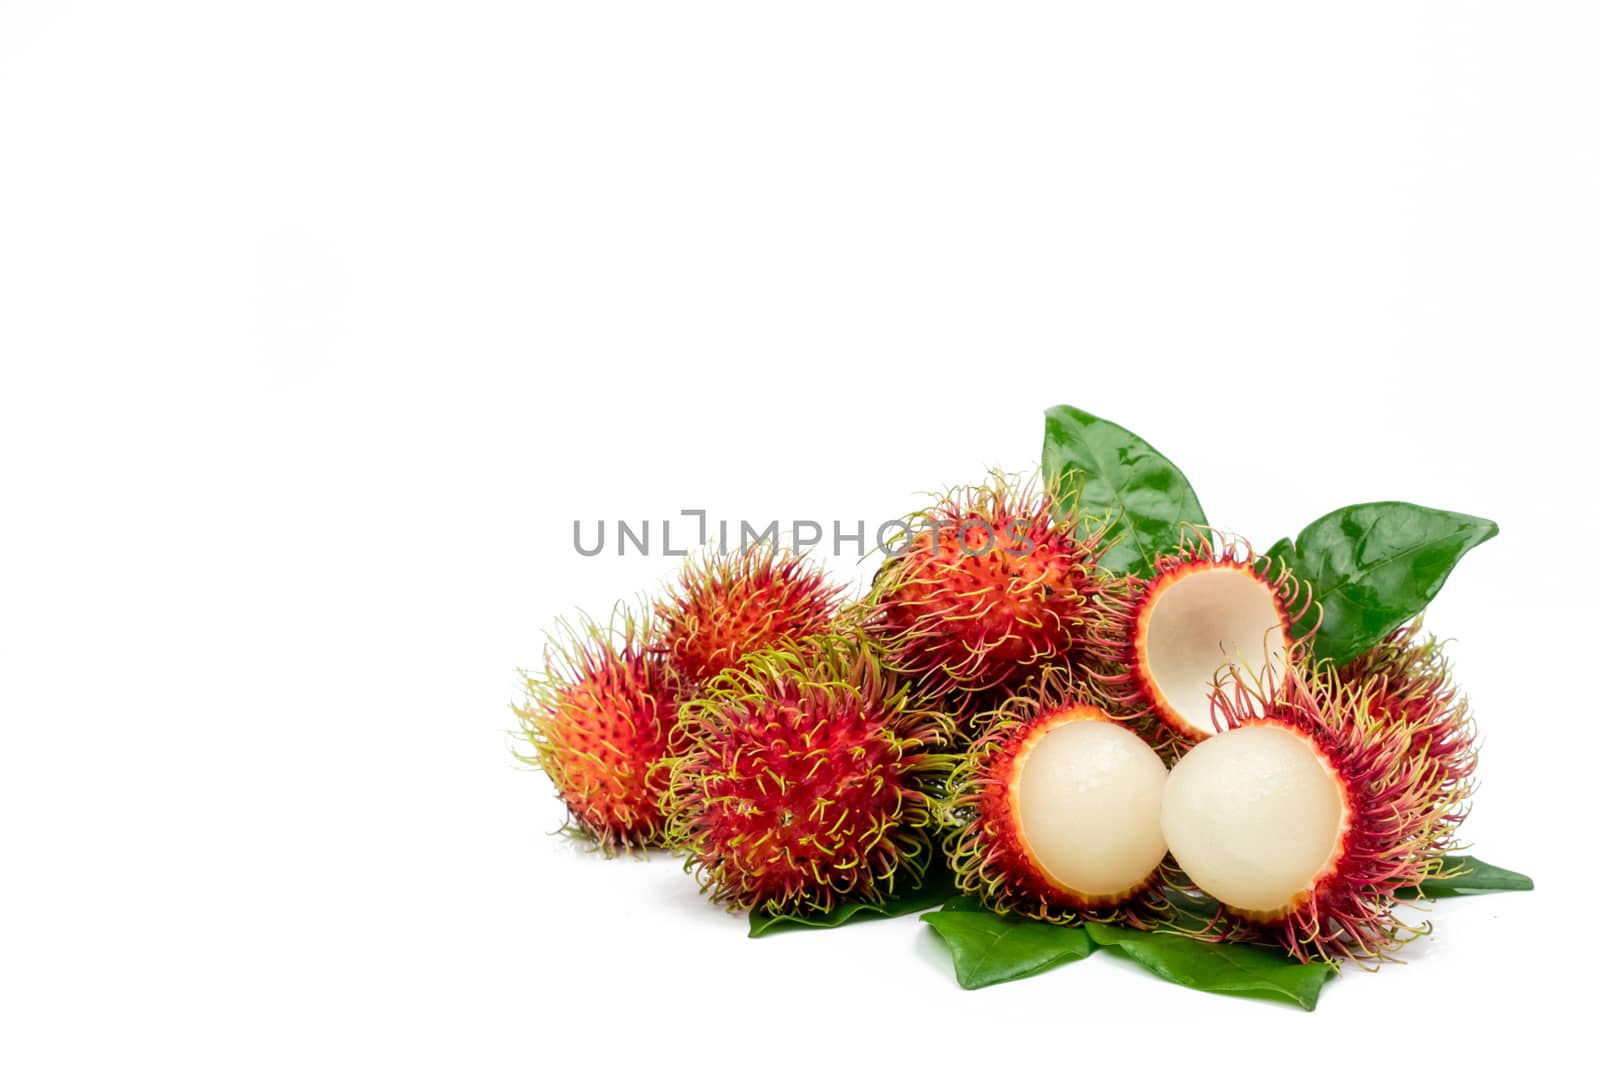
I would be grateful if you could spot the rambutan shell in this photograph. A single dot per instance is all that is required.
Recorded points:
(599, 721)
(804, 781)
(992, 586)
(725, 606)
(1408, 680)
(1162, 641)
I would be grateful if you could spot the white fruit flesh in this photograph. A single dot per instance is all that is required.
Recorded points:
(1088, 805)
(1254, 816)
(1202, 622)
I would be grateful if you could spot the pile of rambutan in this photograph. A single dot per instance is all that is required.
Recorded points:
(1066, 700)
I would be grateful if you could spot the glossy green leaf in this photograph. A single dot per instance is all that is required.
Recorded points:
(964, 903)
(935, 889)
(989, 948)
(1232, 969)
(1373, 566)
(1145, 498)
(1470, 877)
(1283, 552)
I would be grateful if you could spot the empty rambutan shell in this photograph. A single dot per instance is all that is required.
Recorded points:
(1306, 816)
(1206, 610)
(989, 587)
(804, 781)
(724, 606)
(1057, 812)
(599, 720)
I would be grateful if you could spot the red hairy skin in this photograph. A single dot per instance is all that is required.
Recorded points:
(725, 607)
(989, 588)
(1397, 821)
(1408, 680)
(804, 783)
(1120, 632)
(987, 853)
(599, 720)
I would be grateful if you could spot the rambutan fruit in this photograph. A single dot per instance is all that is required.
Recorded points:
(987, 588)
(1409, 678)
(1306, 815)
(1057, 812)
(1207, 609)
(725, 606)
(804, 781)
(599, 720)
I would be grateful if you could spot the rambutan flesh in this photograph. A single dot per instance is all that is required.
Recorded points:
(804, 782)
(1306, 816)
(725, 606)
(599, 720)
(1206, 609)
(988, 588)
(1058, 813)
(1409, 681)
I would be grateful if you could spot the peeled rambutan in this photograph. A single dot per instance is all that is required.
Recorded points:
(1165, 638)
(599, 719)
(804, 782)
(1057, 812)
(1306, 815)
(1409, 681)
(727, 605)
(988, 588)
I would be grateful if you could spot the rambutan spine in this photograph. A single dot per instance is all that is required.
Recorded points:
(1408, 679)
(804, 780)
(598, 721)
(722, 606)
(990, 585)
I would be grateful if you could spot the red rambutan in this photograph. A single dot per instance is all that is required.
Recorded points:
(599, 720)
(1409, 681)
(804, 782)
(988, 587)
(1207, 609)
(1306, 815)
(728, 605)
(1056, 812)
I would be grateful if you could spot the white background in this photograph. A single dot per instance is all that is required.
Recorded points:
(321, 322)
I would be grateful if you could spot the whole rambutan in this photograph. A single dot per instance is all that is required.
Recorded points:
(1164, 639)
(725, 606)
(1306, 815)
(1409, 681)
(599, 719)
(987, 588)
(804, 782)
(1056, 812)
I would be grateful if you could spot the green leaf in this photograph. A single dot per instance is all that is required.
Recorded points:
(1145, 498)
(1283, 552)
(963, 903)
(1373, 566)
(1233, 969)
(1467, 877)
(935, 889)
(989, 948)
